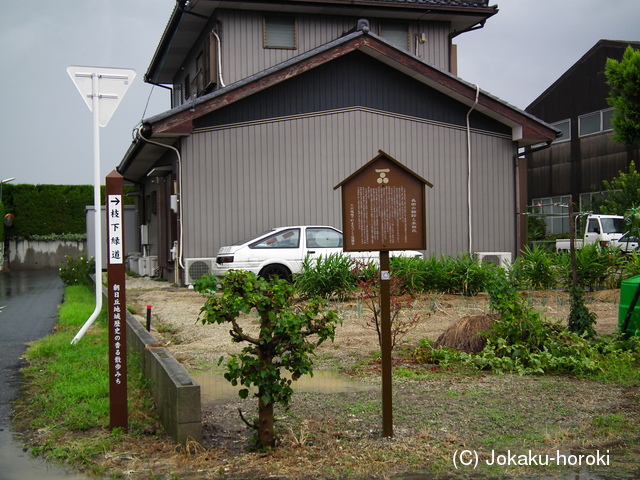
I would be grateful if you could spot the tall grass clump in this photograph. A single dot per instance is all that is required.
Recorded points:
(410, 273)
(326, 276)
(466, 275)
(535, 268)
(596, 267)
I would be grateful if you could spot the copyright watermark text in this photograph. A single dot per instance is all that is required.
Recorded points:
(471, 459)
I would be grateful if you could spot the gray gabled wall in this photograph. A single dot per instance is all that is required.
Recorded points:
(244, 178)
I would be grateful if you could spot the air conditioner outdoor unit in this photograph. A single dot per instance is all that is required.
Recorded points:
(501, 259)
(194, 268)
(147, 266)
(142, 266)
(152, 265)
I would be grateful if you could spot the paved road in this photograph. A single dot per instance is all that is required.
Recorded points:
(28, 306)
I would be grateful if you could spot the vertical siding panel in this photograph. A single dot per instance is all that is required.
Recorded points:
(258, 176)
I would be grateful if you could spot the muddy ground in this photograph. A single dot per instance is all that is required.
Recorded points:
(337, 433)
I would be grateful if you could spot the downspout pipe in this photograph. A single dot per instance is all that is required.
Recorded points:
(177, 152)
(469, 200)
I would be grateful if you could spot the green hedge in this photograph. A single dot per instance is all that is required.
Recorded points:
(48, 210)
(2, 223)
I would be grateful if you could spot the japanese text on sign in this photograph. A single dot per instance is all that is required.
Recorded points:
(117, 334)
(114, 206)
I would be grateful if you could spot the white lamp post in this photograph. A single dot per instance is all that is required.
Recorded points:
(6, 180)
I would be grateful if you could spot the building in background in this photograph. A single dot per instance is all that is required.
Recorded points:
(586, 154)
(276, 102)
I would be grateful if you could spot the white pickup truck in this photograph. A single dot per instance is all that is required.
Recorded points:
(600, 229)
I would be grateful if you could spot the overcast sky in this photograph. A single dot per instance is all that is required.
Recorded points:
(45, 126)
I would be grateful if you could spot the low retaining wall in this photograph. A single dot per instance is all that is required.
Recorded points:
(41, 254)
(176, 394)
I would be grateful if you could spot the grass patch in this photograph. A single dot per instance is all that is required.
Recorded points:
(63, 408)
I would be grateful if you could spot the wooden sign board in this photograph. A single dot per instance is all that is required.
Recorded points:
(117, 303)
(383, 207)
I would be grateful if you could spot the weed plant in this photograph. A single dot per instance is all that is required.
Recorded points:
(326, 276)
(524, 342)
(596, 267)
(535, 268)
(76, 271)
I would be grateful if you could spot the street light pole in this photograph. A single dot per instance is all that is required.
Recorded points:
(2, 182)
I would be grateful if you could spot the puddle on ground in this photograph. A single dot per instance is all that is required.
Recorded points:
(18, 464)
(214, 387)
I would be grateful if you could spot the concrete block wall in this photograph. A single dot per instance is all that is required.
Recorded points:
(176, 394)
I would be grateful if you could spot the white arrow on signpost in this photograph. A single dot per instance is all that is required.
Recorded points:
(102, 89)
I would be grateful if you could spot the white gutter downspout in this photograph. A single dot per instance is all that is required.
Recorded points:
(219, 55)
(469, 214)
(171, 147)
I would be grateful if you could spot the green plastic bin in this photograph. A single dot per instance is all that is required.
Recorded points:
(627, 291)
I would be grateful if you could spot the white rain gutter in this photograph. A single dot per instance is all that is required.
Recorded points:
(469, 168)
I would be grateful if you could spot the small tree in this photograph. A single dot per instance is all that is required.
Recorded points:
(282, 342)
(581, 320)
(368, 291)
(623, 193)
(623, 79)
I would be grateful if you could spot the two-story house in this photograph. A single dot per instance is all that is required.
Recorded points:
(577, 162)
(276, 102)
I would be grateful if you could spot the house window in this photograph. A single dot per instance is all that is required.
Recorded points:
(199, 80)
(565, 127)
(280, 32)
(588, 124)
(595, 122)
(554, 211)
(187, 87)
(607, 116)
(396, 33)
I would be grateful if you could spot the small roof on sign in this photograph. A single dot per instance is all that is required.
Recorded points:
(388, 157)
(112, 85)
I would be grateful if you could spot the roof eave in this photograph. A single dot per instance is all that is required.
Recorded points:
(526, 129)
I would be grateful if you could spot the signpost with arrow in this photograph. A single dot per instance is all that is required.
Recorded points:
(117, 308)
(102, 89)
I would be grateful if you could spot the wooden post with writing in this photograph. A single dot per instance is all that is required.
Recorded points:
(383, 209)
(117, 305)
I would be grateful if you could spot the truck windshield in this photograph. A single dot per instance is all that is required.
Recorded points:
(613, 225)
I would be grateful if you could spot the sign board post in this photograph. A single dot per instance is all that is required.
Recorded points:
(102, 89)
(117, 307)
(383, 209)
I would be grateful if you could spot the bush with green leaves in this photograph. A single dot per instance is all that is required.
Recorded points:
(76, 271)
(535, 268)
(207, 284)
(630, 265)
(466, 275)
(326, 276)
(596, 267)
(410, 273)
(523, 341)
(581, 321)
(286, 340)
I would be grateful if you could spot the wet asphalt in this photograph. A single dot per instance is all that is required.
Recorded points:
(28, 309)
